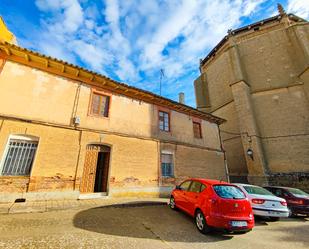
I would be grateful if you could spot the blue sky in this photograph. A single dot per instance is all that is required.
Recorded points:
(131, 40)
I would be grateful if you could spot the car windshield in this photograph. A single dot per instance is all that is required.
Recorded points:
(229, 192)
(255, 190)
(298, 192)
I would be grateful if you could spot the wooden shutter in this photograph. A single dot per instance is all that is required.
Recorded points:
(197, 130)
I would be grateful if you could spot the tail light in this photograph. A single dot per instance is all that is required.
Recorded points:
(258, 201)
(283, 203)
(297, 202)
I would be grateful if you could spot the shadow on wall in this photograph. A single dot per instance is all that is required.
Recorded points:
(151, 222)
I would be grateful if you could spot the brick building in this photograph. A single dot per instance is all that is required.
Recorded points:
(66, 132)
(257, 78)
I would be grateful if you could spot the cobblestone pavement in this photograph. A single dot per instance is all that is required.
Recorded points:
(138, 227)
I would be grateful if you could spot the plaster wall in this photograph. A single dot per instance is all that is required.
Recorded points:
(36, 95)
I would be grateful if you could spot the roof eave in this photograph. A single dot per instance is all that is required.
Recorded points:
(246, 28)
(94, 78)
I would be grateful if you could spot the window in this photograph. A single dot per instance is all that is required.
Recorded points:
(229, 192)
(100, 105)
(167, 165)
(203, 187)
(164, 121)
(277, 192)
(197, 130)
(19, 157)
(298, 193)
(185, 185)
(195, 187)
(255, 190)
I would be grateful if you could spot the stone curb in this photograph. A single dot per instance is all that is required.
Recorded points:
(48, 206)
(135, 204)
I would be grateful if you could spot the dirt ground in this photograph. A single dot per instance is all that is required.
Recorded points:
(139, 227)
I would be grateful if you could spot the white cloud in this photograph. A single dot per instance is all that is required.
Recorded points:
(69, 12)
(91, 54)
(170, 29)
(131, 40)
(251, 6)
(299, 8)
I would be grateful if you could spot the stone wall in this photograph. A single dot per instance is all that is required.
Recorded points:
(293, 179)
(259, 81)
(134, 168)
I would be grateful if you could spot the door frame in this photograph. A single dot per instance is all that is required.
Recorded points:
(98, 194)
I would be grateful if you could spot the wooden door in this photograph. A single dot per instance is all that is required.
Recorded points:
(90, 167)
(105, 172)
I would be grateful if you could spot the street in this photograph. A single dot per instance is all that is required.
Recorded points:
(139, 227)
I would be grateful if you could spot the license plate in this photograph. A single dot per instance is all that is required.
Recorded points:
(272, 212)
(239, 223)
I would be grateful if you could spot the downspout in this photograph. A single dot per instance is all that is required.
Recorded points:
(74, 111)
(224, 156)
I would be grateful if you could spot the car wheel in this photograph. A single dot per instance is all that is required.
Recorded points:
(201, 223)
(172, 203)
(274, 218)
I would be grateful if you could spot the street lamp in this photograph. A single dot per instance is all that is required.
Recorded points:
(250, 153)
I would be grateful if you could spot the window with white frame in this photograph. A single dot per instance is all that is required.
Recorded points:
(167, 168)
(19, 155)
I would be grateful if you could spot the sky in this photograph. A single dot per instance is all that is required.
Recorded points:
(132, 40)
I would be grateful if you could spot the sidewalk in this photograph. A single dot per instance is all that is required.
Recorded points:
(51, 205)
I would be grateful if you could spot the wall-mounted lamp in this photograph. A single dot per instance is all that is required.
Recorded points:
(250, 153)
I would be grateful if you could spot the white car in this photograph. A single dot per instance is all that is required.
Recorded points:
(264, 203)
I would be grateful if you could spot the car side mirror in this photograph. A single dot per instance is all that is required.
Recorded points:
(178, 187)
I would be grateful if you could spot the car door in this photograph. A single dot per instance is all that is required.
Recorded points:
(192, 196)
(180, 195)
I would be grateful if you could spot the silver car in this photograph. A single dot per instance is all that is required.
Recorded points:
(264, 203)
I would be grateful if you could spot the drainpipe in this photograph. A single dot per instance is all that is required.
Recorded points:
(225, 159)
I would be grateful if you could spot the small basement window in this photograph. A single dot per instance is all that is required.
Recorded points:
(19, 156)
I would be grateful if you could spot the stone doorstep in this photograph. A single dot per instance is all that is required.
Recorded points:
(53, 205)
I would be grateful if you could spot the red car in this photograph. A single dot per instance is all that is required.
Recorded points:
(213, 204)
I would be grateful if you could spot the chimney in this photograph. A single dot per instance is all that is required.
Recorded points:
(181, 98)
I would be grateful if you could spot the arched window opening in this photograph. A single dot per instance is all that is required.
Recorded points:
(19, 155)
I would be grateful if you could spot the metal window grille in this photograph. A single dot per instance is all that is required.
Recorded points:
(19, 157)
(167, 168)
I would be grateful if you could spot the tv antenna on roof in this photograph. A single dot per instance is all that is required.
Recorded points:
(161, 76)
